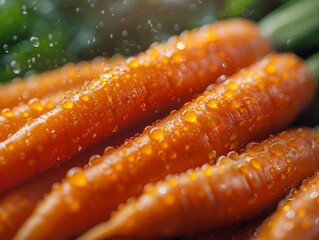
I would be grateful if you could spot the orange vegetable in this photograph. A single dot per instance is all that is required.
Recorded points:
(11, 119)
(296, 217)
(238, 187)
(250, 105)
(18, 204)
(154, 82)
(38, 86)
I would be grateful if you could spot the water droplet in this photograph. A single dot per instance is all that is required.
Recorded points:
(146, 149)
(233, 155)
(270, 69)
(84, 97)
(35, 41)
(211, 103)
(16, 67)
(189, 116)
(244, 169)
(180, 45)
(77, 177)
(36, 105)
(314, 195)
(24, 9)
(67, 104)
(290, 214)
(5, 48)
(256, 163)
(7, 113)
(162, 190)
(132, 62)
(276, 149)
(156, 134)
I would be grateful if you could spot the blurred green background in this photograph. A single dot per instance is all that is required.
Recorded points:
(36, 35)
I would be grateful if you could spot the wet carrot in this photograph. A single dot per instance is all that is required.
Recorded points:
(237, 187)
(38, 86)
(17, 205)
(11, 119)
(155, 82)
(296, 217)
(250, 105)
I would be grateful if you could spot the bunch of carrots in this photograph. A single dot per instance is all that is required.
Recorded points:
(72, 163)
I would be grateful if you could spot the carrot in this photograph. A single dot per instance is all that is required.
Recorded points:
(213, 196)
(38, 86)
(296, 217)
(11, 119)
(154, 82)
(18, 204)
(246, 107)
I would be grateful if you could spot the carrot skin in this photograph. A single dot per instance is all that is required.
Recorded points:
(213, 196)
(12, 119)
(242, 109)
(41, 85)
(17, 205)
(155, 82)
(296, 217)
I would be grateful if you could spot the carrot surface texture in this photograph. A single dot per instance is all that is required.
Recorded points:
(250, 105)
(17, 205)
(237, 187)
(156, 81)
(11, 119)
(296, 217)
(66, 77)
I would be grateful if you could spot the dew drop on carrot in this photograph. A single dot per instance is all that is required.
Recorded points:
(36, 105)
(211, 103)
(84, 97)
(227, 94)
(7, 113)
(192, 175)
(244, 169)
(146, 149)
(270, 69)
(157, 134)
(189, 116)
(25, 114)
(232, 86)
(233, 155)
(67, 104)
(276, 149)
(162, 190)
(301, 133)
(77, 177)
(208, 171)
(256, 163)
(94, 159)
(132, 62)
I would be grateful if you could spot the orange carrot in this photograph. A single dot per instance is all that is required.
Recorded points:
(154, 82)
(17, 205)
(246, 107)
(38, 86)
(296, 217)
(11, 119)
(213, 196)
